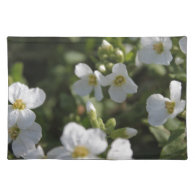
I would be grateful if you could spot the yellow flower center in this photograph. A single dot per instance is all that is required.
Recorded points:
(80, 152)
(19, 104)
(119, 80)
(92, 79)
(170, 106)
(14, 132)
(158, 47)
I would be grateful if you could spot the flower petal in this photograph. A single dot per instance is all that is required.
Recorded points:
(82, 87)
(35, 153)
(175, 90)
(183, 44)
(179, 107)
(21, 146)
(73, 135)
(82, 70)
(120, 69)
(148, 41)
(26, 118)
(96, 141)
(156, 109)
(108, 79)
(59, 153)
(129, 87)
(98, 93)
(34, 98)
(12, 116)
(120, 150)
(167, 43)
(117, 94)
(34, 132)
(149, 56)
(17, 91)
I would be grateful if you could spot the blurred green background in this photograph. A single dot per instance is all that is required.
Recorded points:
(49, 63)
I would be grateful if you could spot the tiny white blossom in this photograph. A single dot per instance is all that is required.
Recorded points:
(89, 80)
(120, 150)
(120, 83)
(90, 107)
(183, 44)
(23, 99)
(34, 153)
(161, 108)
(24, 140)
(155, 50)
(79, 143)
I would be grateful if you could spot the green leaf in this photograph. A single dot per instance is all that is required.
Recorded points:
(176, 149)
(174, 124)
(161, 134)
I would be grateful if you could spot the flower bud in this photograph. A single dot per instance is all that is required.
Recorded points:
(102, 68)
(119, 55)
(106, 46)
(123, 133)
(90, 107)
(101, 124)
(111, 123)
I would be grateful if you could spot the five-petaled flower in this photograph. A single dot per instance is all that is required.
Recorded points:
(120, 150)
(89, 80)
(161, 108)
(120, 83)
(79, 143)
(24, 139)
(155, 50)
(23, 99)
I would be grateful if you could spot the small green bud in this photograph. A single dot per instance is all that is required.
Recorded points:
(123, 133)
(101, 124)
(111, 123)
(106, 46)
(119, 55)
(110, 65)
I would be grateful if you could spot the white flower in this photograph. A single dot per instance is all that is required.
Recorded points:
(121, 83)
(155, 50)
(24, 140)
(79, 143)
(120, 150)
(34, 153)
(90, 107)
(183, 44)
(89, 80)
(23, 99)
(161, 108)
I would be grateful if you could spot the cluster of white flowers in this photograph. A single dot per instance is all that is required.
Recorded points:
(23, 131)
(79, 143)
(119, 81)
